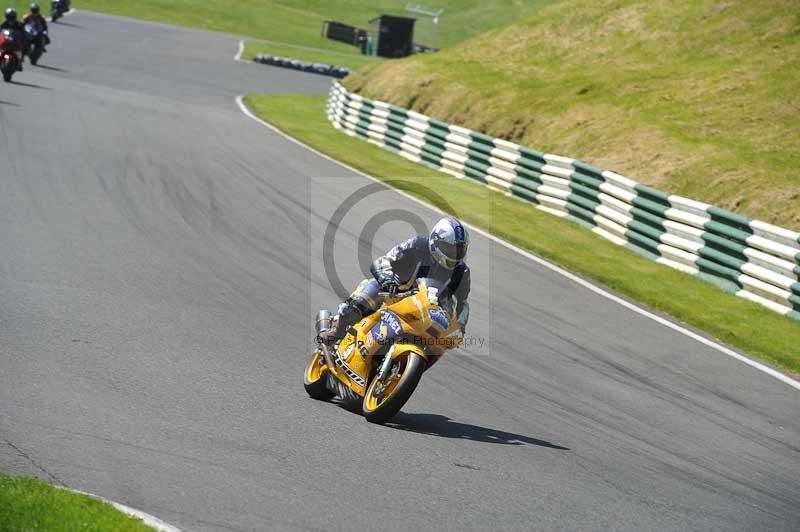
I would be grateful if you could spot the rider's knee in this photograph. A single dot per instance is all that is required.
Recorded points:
(353, 309)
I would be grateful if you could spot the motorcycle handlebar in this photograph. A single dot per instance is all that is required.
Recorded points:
(405, 293)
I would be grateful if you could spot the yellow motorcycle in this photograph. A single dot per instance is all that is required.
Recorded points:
(381, 359)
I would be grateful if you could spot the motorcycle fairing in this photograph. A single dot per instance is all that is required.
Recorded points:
(386, 330)
(416, 323)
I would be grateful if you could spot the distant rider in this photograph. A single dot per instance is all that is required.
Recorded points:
(11, 23)
(439, 256)
(62, 6)
(35, 17)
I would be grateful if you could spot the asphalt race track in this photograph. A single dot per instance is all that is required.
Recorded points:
(159, 271)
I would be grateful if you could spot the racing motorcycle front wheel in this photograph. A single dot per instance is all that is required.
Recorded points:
(384, 398)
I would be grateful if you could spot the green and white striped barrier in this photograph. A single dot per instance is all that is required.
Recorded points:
(753, 259)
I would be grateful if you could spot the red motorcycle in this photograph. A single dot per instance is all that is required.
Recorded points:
(9, 54)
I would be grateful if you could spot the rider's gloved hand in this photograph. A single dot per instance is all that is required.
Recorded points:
(389, 283)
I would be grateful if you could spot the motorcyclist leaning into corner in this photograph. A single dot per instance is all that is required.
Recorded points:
(438, 256)
(11, 23)
(35, 17)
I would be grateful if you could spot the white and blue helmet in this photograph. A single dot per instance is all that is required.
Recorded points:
(448, 242)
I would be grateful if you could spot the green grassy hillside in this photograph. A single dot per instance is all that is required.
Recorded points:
(700, 98)
(300, 21)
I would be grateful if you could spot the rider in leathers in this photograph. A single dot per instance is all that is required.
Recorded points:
(439, 256)
(35, 17)
(11, 23)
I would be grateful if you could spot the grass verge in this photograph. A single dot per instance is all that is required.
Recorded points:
(732, 320)
(697, 98)
(310, 55)
(300, 21)
(30, 504)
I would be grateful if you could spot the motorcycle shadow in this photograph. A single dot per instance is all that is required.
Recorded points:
(31, 85)
(47, 67)
(61, 22)
(443, 426)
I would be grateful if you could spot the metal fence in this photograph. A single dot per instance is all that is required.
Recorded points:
(755, 260)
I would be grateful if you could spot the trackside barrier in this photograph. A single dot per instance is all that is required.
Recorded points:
(753, 259)
(317, 68)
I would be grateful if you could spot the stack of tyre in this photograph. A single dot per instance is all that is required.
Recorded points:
(316, 68)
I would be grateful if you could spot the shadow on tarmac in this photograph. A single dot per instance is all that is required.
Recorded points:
(70, 24)
(443, 426)
(31, 85)
(45, 67)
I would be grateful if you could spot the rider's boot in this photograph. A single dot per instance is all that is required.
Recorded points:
(348, 314)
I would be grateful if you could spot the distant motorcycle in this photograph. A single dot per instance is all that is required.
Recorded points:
(35, 34)
(58, 8)
(9, 54)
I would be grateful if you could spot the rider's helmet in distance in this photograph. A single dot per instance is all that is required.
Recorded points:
(11, 15)
(448, 242)
(35, 8)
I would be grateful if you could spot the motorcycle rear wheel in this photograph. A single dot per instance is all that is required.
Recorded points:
(380, 407)
(314, 379)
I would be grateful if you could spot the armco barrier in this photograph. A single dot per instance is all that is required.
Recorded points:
(754, 260)
(316, 68)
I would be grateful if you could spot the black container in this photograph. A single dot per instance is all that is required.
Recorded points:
(395, 35)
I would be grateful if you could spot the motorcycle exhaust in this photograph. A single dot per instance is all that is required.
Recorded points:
(324, 321)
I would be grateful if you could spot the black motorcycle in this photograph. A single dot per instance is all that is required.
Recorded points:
(58, 8)
(9, 60)
(36, 41)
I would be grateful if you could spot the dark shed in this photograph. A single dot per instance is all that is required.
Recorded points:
(395, 35)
